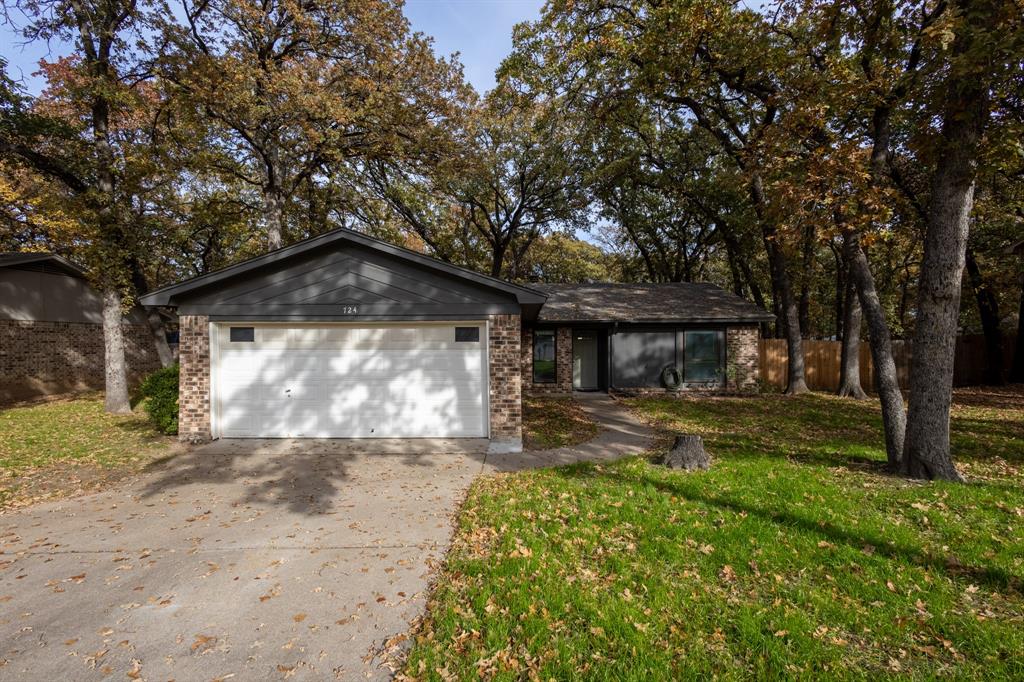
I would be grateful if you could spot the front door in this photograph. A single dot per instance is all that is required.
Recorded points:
(584, 361)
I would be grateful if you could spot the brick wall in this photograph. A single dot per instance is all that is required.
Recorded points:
(742, 359)
(505, 378)
(47, 358)
(194, 384)
(563, 363)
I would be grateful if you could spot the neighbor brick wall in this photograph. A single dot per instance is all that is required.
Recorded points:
(742, 359)
(194, 383)
(504, 368)
(563, 363)
(45, 358)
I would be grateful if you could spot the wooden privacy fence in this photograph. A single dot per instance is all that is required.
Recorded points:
(822, 362)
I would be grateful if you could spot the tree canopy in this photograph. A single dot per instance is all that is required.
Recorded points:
(831, 160)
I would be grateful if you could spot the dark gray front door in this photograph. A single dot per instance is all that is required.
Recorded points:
(584, 361)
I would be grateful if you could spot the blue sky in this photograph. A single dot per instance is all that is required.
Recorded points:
(480, 30)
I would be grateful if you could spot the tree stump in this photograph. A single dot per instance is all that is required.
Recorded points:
(687, 453)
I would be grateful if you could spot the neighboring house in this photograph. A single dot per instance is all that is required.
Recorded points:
(345, 336)
(51, 330)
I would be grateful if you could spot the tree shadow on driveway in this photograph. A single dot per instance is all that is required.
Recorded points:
(304, 477)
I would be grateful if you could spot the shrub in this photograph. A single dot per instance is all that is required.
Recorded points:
(160, 389)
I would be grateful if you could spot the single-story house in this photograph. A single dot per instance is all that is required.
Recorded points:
(345, 336)
(51, 330)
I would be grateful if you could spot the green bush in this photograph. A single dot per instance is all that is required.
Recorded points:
(160, 389)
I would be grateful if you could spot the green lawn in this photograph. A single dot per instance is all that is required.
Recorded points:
(73, 442)
(555, 423)
(793, 556)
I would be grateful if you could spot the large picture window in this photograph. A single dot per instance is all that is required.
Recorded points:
(544, 370)
(703, 359)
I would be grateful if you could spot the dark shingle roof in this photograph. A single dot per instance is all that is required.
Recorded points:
(39, 260)
(677, 302)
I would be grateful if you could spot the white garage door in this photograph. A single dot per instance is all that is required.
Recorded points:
(339, 381)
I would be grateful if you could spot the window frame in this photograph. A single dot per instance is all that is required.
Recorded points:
(248, 330)
(720, 339)
(554, 359)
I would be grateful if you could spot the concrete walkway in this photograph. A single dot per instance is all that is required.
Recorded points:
(249, 559)
(621, 434)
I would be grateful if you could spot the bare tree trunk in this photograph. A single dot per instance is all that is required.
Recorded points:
(154, 320)
(741, 263)
(159, 332)
(894, 419)
(843, 281)
(785, 300)
(273, 216)
(849, 370)
(111, 246)
(926, 451)
(805, 280)
(1017, 371)
(116, 384)
(791, 322)
(498, 251)
(988, 310)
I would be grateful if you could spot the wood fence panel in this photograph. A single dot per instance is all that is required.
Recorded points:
(822, 362)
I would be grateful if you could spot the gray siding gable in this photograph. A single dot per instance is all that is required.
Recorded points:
(328, 283)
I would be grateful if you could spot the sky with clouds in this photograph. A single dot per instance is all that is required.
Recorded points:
(479, 30)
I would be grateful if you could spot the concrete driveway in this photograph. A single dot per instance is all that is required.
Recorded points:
(237, 560)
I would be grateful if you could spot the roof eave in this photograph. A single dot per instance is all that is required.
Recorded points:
(70, 267)
(751, 319)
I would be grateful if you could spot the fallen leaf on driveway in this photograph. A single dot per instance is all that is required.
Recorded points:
(203, 642)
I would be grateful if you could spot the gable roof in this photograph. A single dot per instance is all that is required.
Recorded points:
(676, 302)
(168, 295)
(40, 261)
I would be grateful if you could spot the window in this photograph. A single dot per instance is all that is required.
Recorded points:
(638, 357)
(544, 356)
(243, 334)
(467, 334)
(703, 357)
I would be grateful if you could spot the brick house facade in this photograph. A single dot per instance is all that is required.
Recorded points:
(51, 331)
(563, 364)
(345, 336)
(505, 406)
(45, 358)
(743, 361)
(194, 378)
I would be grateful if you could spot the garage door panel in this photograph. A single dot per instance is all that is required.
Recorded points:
(350, 382)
